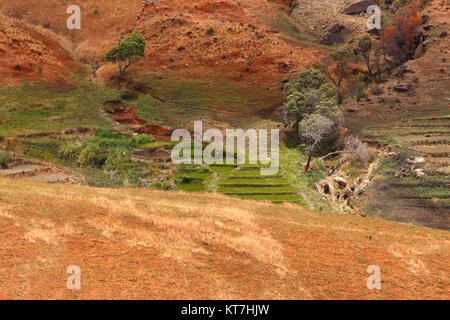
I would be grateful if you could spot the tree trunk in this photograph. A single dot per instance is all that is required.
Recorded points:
(297, 129)
(119, 79)
(339, 96)
(309, 162)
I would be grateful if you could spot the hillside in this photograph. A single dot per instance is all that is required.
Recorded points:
(30, 53)
(412, 185)
(133, 243)
(86, 171)
(241, 41)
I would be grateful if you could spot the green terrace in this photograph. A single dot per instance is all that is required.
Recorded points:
(245, 182)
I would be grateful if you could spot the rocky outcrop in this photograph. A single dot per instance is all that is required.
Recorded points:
(359, 7)
(332, 39)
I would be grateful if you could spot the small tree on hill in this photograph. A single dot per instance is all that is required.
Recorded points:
(126, 52)
(335, 67)
(365, 47)
(313, 130)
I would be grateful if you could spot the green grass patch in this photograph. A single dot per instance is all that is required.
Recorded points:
(257, 190)
(254, 182)
(176, 102)
(39, 107)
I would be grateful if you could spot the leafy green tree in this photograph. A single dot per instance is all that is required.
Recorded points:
(126, 52)
(309, 92)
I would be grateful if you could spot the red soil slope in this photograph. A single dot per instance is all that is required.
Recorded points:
(205, 39)
(243, 43)
(26, 54)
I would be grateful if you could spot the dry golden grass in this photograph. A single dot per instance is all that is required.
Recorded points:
(135, 243)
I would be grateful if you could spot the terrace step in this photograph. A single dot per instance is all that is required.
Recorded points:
(52, 177)
(253, 177)
(24, 170)
(428, 142)
(259, 193)
(428, 119)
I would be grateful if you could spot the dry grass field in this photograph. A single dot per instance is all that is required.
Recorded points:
(136, 243)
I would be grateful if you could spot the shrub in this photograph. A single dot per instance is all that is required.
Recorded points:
(309, 93)
(360, 149)
(4, 159)
(163, 185)
(69, 151)
(400, 39)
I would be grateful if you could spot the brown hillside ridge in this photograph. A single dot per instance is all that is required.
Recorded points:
(145, 244)
(202, 39)
(211, 38)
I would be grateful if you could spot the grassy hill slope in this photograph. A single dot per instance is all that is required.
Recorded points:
(136, 243)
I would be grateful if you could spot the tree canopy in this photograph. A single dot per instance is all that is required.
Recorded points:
(126, 52)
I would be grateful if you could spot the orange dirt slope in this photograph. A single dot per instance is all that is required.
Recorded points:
(200, 39)
(26, 54)
(169, 245)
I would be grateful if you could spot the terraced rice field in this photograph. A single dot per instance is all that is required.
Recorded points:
(408, 197)
(245, 182)
(193, 179)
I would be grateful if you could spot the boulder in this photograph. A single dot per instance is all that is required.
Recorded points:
(401, 88)
(374, 32)
(377, 91)
(332, 39)
(359, 7)
(427, 43)
(326, 188)
(340, 181)
(443, 34)
(416, 160)
(336, 28)
(418, 173)
(348, 192)
(428, 27)
(419, 52)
